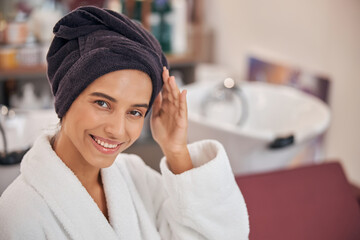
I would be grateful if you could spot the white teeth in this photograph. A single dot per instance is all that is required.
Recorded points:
(104, 144)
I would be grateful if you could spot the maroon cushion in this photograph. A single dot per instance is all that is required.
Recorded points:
(313, 203)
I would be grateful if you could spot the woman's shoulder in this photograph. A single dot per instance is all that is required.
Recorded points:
(20, 205)
(20, 195)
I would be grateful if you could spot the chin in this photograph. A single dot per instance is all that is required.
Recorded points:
(107, 165)
(102, 162)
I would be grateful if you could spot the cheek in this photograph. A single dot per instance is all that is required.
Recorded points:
(82, 119)
(135, 128)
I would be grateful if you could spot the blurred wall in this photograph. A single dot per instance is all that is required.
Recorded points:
(322, 36)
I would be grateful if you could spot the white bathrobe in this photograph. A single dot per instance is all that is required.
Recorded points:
(47, 201)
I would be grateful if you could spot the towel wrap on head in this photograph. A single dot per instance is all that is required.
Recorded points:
(90, 42)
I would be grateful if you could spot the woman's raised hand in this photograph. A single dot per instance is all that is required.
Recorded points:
(169, 124)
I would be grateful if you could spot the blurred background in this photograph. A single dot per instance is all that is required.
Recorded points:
(310, 46)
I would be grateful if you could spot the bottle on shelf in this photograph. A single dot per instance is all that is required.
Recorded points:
(179, 33)
(114, 5)
(16, 30)
(161, 22)
(52, 12)
(8, 58)
(29, 54)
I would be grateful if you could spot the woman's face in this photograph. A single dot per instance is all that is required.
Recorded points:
(107, 117)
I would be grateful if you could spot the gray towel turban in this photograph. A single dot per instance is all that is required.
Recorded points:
(90, 42)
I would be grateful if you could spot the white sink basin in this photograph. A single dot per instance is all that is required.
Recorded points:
(273, 111)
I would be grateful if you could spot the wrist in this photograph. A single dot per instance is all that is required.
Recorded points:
(175, 150)
(178, 161)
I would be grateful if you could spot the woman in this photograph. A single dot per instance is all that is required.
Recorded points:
(106, 72)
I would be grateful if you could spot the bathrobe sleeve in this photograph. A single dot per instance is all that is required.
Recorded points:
(202, 203)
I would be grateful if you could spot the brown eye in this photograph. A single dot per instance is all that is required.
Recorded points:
(102, 104)
(136, 113)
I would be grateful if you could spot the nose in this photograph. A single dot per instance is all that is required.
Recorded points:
(116, 126)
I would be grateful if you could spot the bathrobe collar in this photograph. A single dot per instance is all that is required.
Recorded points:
(71, 203)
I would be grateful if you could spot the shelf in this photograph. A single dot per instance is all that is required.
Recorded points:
(23, 72)
(40, 70)
(179, 60)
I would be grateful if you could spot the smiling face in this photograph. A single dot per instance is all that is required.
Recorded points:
(105, 119)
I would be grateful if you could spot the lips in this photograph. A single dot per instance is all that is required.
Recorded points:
(105, 145)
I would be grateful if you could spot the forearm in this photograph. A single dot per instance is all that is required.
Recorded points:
(178, 161)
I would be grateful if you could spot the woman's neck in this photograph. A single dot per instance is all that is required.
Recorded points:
(87, 174)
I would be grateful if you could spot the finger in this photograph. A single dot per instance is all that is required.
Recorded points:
(166, 88)
(157, 105)
(165, 74)
(167, 95)
(183, 112)
(174, 90)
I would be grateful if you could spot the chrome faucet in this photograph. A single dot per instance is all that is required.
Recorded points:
(229, 95)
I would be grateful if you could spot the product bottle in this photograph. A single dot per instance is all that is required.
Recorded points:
(179, 33)
(161, 21)
(155, 21)
(114, 5)
(137, 10)
(44, 18)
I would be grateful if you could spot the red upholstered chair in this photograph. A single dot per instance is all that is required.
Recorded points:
(309, 203)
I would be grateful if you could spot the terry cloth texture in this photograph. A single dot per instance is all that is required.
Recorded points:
(203, 203)
(90, 42)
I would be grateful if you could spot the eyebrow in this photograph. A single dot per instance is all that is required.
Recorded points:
(144, 105)
(103, 95)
